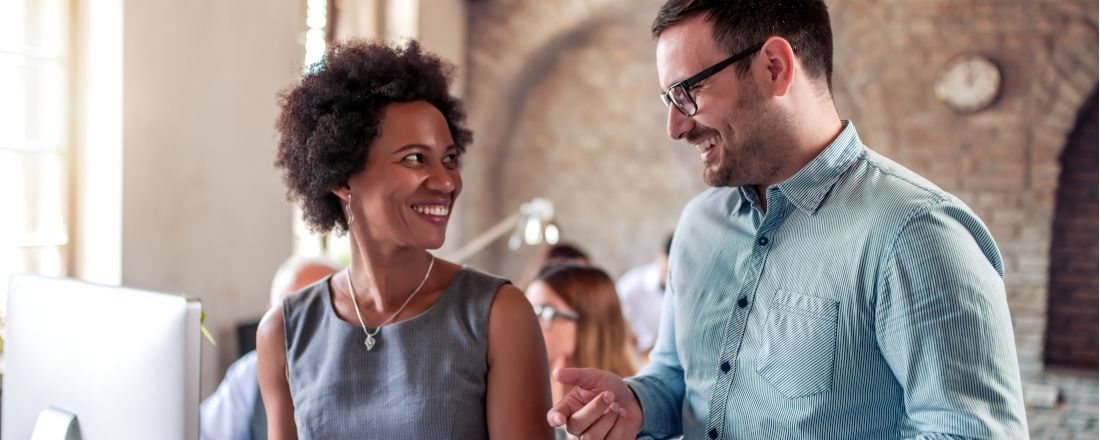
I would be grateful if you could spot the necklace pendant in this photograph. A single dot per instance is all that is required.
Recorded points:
(369, 342)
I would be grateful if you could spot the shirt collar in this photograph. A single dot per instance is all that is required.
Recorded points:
(807, 188)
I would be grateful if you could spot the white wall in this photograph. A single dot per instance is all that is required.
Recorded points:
(97, 214)
(204, 211)
(442, 29)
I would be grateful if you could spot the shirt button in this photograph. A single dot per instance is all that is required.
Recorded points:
(742, 302)
(763, 241)
(725, 367)
(713, 433)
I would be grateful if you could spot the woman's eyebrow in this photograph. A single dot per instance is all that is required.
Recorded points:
(411, 147)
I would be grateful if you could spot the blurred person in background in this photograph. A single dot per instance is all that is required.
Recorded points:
(566, 253)
(554, 255)
(235, 411)
(582, 322)
(642, 292)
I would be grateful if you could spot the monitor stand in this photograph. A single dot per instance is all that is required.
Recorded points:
(56, 424)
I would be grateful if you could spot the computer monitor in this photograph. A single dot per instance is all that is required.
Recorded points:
(124, 361)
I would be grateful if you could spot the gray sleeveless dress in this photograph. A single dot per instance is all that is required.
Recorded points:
(425, 379)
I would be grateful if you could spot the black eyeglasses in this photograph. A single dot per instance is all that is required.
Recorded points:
(547, 313)
(679, 94)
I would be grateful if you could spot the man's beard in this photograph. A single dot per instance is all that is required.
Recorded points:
(757, 158)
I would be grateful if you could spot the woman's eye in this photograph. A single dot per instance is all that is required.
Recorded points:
(415, 157)
(451, 159)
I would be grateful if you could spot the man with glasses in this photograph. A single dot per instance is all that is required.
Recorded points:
(819, 290)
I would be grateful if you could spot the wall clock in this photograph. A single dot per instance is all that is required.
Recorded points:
(969, 83)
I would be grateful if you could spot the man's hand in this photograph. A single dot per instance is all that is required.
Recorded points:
(599, 405)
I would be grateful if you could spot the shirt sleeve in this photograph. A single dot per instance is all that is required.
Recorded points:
(227, 413)
(660, 385)
(942, 324)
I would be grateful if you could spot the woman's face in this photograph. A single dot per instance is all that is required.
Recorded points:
(411, 180)
(559, 332)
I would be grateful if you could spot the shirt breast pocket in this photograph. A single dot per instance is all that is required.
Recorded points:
(799, 347)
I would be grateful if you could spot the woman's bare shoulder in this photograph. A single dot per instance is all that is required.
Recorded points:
(270, 333)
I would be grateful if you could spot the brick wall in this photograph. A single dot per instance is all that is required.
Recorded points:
(568, 110)
(586, 131)
(562, 99)
(1072, 311)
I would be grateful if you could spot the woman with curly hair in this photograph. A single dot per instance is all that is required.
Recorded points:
(401, 344)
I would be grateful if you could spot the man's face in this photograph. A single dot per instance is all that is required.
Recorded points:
(735, 127)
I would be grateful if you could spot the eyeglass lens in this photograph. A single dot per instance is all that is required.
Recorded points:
(682, 100)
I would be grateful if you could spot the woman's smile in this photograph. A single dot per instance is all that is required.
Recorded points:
(436, 212)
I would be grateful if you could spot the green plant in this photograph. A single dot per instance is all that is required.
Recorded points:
(2, 322)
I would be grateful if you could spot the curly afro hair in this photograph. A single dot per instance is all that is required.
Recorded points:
(329, 120)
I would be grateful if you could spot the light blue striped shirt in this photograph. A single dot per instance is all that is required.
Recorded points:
(866, 303)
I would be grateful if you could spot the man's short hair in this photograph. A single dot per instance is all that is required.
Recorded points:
(739, 24)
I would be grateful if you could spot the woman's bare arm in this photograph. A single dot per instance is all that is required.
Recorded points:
(271, 370)
(518, 395)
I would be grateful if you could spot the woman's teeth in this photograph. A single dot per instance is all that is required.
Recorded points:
(433, 210)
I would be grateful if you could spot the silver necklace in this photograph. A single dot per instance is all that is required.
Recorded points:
(370, 341)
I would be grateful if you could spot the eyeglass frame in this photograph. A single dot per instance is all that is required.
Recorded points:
(547, 313)
(687, 84)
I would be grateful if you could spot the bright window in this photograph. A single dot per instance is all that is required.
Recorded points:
(35, 138)
(306, 243)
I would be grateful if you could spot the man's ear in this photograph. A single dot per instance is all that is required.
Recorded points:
(778, 55)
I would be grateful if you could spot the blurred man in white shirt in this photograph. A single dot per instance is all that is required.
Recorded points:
(228, 413)
(641, 292)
